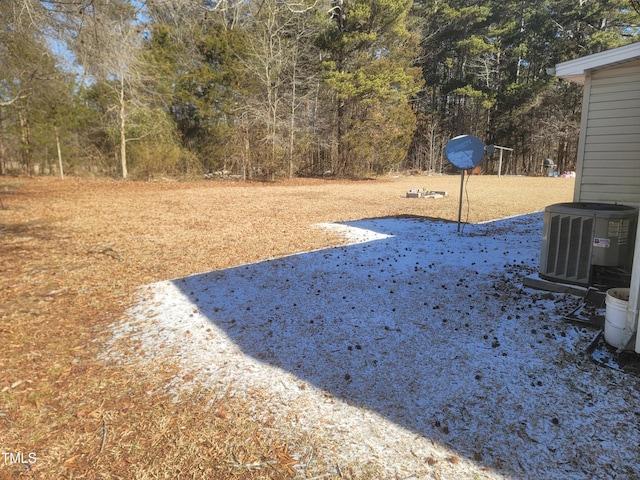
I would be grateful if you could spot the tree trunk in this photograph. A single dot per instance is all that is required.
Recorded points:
(342, 156)
(123, 138)
(432, 147)
(293, 120)
(3, 165)
(246, 156)
(59, 151)
(25, 132)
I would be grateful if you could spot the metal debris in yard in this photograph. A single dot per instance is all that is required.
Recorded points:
(423, 193)
(591, 311)
(604, 354)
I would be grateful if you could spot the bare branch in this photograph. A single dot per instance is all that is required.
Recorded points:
(6, 103)
(300, 7)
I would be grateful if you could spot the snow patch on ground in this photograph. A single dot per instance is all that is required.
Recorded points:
(353, 235)
(413, 342)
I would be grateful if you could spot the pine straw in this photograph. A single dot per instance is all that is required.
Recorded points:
(73, 253)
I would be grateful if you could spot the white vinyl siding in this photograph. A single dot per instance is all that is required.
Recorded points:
(610, 143)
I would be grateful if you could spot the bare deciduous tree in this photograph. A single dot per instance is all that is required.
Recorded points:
(109, 48)
(279, 60)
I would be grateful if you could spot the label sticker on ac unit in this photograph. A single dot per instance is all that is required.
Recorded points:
(601, 242)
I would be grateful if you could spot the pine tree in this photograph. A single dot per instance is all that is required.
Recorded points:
(368, 69)
(485, 70)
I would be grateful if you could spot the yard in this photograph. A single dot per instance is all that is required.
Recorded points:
(165, 330)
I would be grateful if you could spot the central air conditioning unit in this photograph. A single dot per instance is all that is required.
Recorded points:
(582, 240)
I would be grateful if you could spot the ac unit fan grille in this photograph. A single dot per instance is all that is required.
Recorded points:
(569, 248)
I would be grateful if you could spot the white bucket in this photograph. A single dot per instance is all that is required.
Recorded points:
(615, 333)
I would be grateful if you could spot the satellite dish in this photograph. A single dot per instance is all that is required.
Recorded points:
(465, 151)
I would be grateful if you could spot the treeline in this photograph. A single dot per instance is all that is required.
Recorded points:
(283, 88)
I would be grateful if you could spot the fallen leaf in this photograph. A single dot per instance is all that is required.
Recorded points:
(70, 462)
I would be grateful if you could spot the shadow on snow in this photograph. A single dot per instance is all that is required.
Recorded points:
(431, 330)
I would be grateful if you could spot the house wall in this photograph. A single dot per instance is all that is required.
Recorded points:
(609, 147)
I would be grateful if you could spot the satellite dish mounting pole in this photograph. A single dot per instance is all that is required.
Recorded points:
(464, 152)
(460, 204)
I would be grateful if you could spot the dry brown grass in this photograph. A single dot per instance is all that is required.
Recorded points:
(73, 253)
